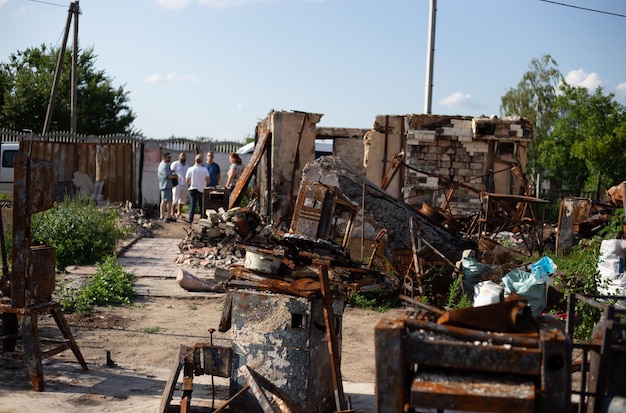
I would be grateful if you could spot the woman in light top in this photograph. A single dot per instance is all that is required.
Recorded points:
(234, 171)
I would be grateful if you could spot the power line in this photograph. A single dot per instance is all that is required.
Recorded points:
(584, 8)
(47, 2)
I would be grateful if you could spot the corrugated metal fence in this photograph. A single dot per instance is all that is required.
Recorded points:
(116, 160)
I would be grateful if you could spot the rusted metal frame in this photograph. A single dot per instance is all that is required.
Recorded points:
(520, 340)
(394, 166)
(556, 375)
(229, 401)
(243, 180)
(187, 388)
(32, 351)
(256, 390)
(471, 357)
(375, 246)
(391, 370)
(59, 318)
(284, 397)
(170, 386)
(436, 251)
(422, 305)
(333, 348)
(478, 395)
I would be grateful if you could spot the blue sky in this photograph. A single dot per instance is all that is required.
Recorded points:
(214, 68)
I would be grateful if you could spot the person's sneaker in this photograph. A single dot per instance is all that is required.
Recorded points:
(171, 219)
(164, 220)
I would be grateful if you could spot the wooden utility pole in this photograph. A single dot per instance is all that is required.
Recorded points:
(74, 10)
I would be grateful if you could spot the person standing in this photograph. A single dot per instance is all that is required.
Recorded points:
(234, 171)
(165, 175)
(213, 168)
(180, 191)
(197, 179)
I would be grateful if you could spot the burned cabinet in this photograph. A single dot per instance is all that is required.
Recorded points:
(322, 212)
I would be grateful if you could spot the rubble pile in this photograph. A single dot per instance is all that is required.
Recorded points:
(135, 218)
(381, 210)
(212, 242)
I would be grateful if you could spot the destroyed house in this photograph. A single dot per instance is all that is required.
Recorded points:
(447, 161)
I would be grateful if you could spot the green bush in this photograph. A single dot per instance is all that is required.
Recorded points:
(380, 299)
(110, 286)
(80, 232)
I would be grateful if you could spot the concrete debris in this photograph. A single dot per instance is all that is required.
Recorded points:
(194, 284)
(212, 242)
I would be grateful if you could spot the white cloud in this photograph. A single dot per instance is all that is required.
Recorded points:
(212, 4)
(169, 78)
(579, 77)
(458, 100)
(620, 90)
(3, 2)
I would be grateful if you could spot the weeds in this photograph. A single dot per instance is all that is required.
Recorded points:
(379, 300)
(110, 286)
(153, 330)
(80, 232)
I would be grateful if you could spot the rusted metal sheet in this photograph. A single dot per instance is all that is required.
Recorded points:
(572, 212)
(217, 360)
(505, 317)
(475, 393)
(40, 274)
(32, 192)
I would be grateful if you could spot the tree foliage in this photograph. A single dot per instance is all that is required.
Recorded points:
(26, 82)
(533, 98)
(585, 149)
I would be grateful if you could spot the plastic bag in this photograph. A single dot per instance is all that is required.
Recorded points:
(529, 286)
(486, 292)
(542, 268)
(473, 271)
(611, 267)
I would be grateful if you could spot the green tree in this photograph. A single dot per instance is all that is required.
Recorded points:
(533, 98)
(26, 81)
(585, 150)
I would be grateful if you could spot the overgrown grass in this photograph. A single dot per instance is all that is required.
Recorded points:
(110, 286)
(578, 273)
(80, 232)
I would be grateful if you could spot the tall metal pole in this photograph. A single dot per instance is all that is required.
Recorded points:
(57, 73)
(430, 57)
(73, 100)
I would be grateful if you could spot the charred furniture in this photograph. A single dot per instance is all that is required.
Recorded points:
(422, 364)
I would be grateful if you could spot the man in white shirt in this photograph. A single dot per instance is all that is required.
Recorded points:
(197, 179)
(180, 191)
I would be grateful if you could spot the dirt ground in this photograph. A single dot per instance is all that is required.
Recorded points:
(143, 341)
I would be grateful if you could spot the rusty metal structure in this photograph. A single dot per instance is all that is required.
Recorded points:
(603, 364)
(443, 365)
(27, 289)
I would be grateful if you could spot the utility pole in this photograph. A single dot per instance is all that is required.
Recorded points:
(73, 11)
(430, 57)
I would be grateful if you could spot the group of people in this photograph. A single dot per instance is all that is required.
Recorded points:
(179, 181)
